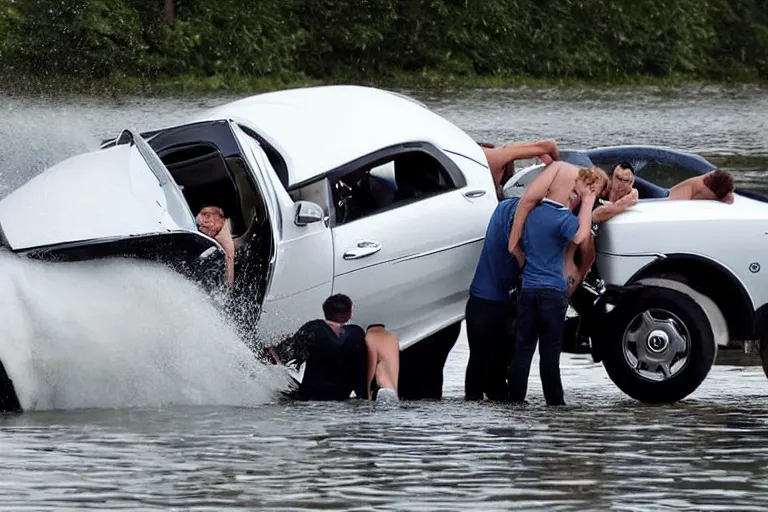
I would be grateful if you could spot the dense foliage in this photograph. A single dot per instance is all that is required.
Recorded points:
(374, 40)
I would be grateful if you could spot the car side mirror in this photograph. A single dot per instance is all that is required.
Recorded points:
(307, 212)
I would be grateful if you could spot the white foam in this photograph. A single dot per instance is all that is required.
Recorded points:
(114, 334)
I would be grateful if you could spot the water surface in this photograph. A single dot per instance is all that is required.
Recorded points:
(602, 452)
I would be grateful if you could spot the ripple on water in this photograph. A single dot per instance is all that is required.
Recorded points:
(604, 451)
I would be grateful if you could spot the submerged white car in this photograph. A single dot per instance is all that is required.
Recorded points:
(354, 190)
(403, 246)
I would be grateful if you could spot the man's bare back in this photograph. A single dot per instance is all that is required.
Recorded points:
(383, 358)
(556, 182)
(714, 186)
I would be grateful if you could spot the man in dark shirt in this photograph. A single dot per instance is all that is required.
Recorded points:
(334, 351)
(490, 311)
(548, 230)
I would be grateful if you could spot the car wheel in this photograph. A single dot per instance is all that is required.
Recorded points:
(659, 345)
(421, 365)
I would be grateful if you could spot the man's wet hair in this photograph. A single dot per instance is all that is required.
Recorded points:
(719, 182)
(626, 165)
(338, 308)
(486, 145)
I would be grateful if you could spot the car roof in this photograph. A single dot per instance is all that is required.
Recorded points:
(317, 129)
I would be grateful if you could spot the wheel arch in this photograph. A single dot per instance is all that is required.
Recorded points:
(711, 279)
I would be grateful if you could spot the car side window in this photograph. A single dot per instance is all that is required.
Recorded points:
(388, 183)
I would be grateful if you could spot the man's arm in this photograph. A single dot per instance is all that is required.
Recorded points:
(517, 151)
(610, 210)
(534, 193)
(224, 237)
(585, 219)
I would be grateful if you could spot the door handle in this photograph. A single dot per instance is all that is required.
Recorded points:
(472, 194)
(364, 248)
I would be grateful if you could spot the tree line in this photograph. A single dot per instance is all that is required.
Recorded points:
(373, 40)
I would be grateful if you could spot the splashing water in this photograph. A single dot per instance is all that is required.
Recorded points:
(119, 333)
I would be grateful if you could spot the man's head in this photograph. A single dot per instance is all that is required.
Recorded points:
(593, 178)
(210, 220)
(622, 179)
(720, 183)
(338, 308)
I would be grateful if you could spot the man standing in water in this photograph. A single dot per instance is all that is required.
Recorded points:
(334, 352)
(490, 310)
(550, 227)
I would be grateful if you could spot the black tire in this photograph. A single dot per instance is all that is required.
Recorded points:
(685, 322)
(421, 365)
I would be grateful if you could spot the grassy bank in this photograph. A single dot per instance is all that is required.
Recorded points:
(131, 46)
(187, 85)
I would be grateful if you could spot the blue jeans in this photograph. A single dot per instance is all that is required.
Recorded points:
(540, 315)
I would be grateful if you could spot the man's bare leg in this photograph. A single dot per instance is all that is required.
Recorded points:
(383, 358)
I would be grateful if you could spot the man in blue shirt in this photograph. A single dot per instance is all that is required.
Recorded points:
(490, 311)
(543, 302)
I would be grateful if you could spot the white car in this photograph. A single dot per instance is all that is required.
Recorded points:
(672, 281)
(405, 251)
(275, 162)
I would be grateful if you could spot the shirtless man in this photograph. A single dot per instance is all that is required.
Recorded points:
(501, 159)
(211, 222)
(714, 186)
(556, 182)
(621, 194)
(383, 362)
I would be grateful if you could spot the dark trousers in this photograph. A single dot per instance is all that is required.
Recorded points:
(490, 333)
(541, 314)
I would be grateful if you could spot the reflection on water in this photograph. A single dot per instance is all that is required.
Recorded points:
(601, 452)
(604, 451)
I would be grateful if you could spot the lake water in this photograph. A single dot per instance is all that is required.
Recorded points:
(222, 450)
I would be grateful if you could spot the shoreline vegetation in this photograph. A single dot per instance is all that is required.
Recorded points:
(167, 47)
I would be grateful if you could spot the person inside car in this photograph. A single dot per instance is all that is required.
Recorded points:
(501, 159)
(620, 192)
(549, 229)
(212, 222)
(334, 352)
(716, 185)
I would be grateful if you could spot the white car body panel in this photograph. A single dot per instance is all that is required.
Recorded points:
(421, 274)
(101, 194)
(317, 129)
(733, 236)
(302, 265)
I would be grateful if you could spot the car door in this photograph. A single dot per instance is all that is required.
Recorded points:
(410, 264)
(301, 268)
